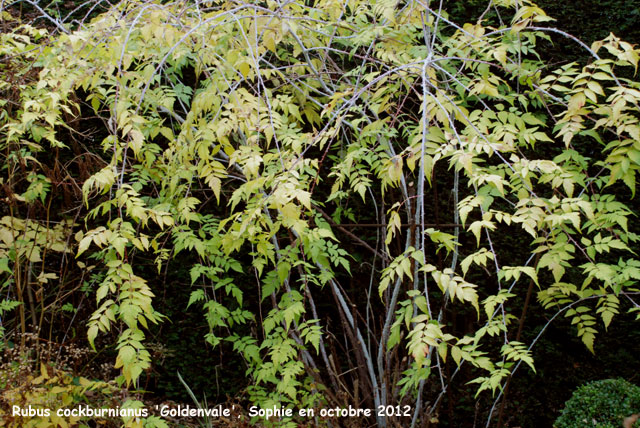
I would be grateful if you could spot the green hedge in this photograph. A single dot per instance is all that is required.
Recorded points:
(601, 404)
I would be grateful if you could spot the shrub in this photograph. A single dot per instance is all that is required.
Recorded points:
(39, 395)
(40, 381)
(603, 404)
(335, 179)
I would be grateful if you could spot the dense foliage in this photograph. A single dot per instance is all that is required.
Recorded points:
(603, 404)
(363, 200)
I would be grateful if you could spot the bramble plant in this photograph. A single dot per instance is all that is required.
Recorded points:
(250, 137)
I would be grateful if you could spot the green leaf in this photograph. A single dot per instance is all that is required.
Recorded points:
(4, 266)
